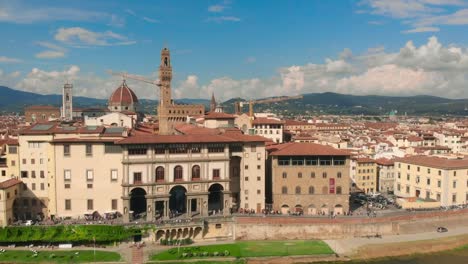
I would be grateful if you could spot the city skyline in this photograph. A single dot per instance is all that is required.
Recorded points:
(237, 48)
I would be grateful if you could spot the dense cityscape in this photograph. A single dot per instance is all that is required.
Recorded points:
(361, 158)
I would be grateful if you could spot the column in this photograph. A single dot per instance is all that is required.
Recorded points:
(150, 209)
(126, 206)
(166, 209)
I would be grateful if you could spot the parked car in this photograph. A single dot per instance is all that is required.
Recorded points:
(442, 229)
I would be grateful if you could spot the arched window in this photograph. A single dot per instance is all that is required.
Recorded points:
(338, 190)
(196, 172)
(324, 175)
(311, 190)
(284, 190)
(160, 174)
(178, 173)
(285, 175)
(338, 175)
(298, 189)
(312, 175)
(299, 175)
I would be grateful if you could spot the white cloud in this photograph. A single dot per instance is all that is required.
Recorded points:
(223, 18)
(422, 15)
(54, 51)
(421, 30)
(50, 54)
(16, 12)
(4, 59)
(80, 36)
(431, 68)
(150, 20)
(218, 8)
(15, 74)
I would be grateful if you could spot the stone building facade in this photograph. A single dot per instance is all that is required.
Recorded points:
(365, 178)
(169, 113)
(309, 178)
(41, 113)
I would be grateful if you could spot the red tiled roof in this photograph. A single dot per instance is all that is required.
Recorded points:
(82, 140)
(297, 123)
(366, 160)
(305, 149)
(123, 96)
(9, 183)
(267, 121)
(385, 162)
(216, 115)
(161, 139)
(189, 129)
(436, 162)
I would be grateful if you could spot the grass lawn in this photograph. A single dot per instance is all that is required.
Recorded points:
(251, 249)
(57, 256)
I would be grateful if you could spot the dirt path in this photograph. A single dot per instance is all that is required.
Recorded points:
(400, 244)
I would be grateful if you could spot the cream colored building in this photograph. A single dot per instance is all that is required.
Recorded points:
(309, 178)
(428, 177)
(386, 175)
(89, 175)
(269, 128)
(9, 191)
(365, 178)
(165, 175)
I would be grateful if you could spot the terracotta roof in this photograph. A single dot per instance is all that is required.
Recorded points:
(9, 183)
(189, 129)
(297, 123)
(267, 121)
(123, 96)
(161, 139)
(42, 107)
(414, 138)
(436, 162)
(83, 140)
(305, 149)
(217, 115)
(385, 162)
(366, 160)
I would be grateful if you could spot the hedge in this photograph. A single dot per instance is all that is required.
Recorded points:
(80, 234)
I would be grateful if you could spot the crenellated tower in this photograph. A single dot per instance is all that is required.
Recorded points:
(165, 78)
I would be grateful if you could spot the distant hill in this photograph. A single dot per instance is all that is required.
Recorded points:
(334, 103)
(12, 100)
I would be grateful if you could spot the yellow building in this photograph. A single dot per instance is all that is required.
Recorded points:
(9, 190)
(427, 177)
(12, 158)
(366, 175)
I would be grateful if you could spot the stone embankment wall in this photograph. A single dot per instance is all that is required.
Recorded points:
(277, 227)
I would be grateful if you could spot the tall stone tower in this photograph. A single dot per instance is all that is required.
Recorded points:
(67, 102)
(165, 78)
(212, 103)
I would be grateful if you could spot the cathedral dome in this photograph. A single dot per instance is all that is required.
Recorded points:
(123, 98)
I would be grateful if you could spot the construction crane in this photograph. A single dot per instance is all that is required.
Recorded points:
(239, 105)
(125, 75)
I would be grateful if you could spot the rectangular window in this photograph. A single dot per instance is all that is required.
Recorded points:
(111, 148)
(438, 197)
(297, 161)
(33, 174)
(454, 184)
(12, 149)
(137, 151)
(42, 186)
(258, 191)
(428, 181)
(67, 186)
(89, 185)
(90, 205)
(67, 175)
(216, 173)
(284, 161)
(67, 204)
(66, 150)
(246, 178)
(13, 163)
(33, 186)
(24, 174)
(114, 175)
(439, 183)
(89, 175)
(137, 178)
(259, 178)
(33, 161)
(114, 204)
(454, 198)
(259, 167)
(89, 150)
(407, 189)
(41, 161)
(41, 174)
(253, 148)
(215, 148)
(246, 167)
(24, 161)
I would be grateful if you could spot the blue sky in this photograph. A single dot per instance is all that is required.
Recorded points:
(238, 48)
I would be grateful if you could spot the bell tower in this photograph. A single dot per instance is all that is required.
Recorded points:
(165, 78)
(67, 102)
